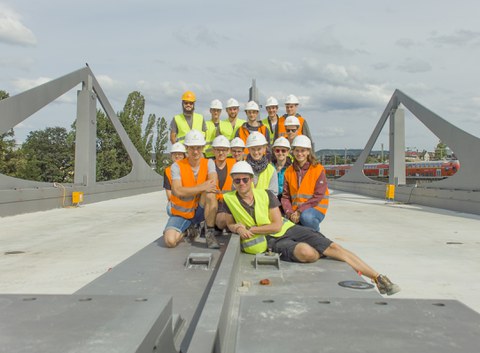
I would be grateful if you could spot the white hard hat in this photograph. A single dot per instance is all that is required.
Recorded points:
(292, 121)
(271, 101)
(302, 141)
(281, 142)
(232, 102)
(216, 104)
(237, 142)
(194, 138)
(178, 147)
(256, 139)
(241, 167)
(251, 106)
(291, 99)
(221, 141)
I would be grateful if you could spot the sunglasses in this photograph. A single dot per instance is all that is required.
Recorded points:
(282, 150)
(291, 130)
(240, 180)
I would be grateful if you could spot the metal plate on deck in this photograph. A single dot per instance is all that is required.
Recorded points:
(285, 323)
(82, 323)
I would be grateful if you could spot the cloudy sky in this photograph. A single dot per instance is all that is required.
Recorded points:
(343, 59)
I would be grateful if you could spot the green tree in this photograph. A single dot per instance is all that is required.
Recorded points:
(8, 153)
(48, 156)
(112, 158)
(440, 151)
(162, 159)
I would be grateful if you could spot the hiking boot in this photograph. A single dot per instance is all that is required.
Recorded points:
(192, 233)
(385, 286)
(212, 242)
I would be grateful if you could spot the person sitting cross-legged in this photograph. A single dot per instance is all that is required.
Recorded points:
(254, 214)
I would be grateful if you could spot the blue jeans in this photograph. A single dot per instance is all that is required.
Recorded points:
(311, 218)
(181, 224)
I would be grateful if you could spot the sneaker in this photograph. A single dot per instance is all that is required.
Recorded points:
(212, 242)
(385, 286)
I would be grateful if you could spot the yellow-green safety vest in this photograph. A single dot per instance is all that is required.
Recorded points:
(211, 133)
(228, 131)
(264, 177)
(183, 128)
(258, 243)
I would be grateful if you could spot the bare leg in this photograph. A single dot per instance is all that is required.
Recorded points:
(221, 220)
(172, 237)
(305, 253)
(211, 207)
(335, 251)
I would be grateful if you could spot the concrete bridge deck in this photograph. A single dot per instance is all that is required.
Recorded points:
(431, 253)
(47, 256)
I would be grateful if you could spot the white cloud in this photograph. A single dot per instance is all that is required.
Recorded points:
(458, 38)
(414, 66)
(198, 36)
(12, 30)
(23, 84)
(405, 42)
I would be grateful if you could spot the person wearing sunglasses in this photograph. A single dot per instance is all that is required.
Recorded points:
(292, 128)
(254, 215)
(305, 192)
(182, 123)
(223, 166)
(252, 124)
(281, 159)
(194, 190)
(265, 176)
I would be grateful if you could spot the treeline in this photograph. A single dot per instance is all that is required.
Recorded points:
(49, 155)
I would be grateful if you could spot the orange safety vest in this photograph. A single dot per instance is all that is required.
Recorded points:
(243, 133)
(185, 206)
(301, 194)
(282, 131)
(228, 185)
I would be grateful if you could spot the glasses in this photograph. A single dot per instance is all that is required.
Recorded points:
(220, 150)
(281, 150)
(188, 103)
(291, 130)
(241, 180)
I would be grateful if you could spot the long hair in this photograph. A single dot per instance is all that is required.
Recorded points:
(312, 159)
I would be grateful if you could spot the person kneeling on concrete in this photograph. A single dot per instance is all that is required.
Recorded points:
(254, 214)
(194, 190)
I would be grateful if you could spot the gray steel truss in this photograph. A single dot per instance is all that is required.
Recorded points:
(460, 192)
(19, 196)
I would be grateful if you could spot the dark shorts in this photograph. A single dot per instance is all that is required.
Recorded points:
(286, 244)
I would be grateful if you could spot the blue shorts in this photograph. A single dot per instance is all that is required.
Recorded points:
(181, 224)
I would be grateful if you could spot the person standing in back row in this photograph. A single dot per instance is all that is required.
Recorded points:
(234, 121)
(291, 106)
(272, 119)
(189, 120)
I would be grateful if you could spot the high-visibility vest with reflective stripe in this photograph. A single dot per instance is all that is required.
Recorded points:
(258, 243)
(228, 131)
(210, 134)
(183, 128)
(304, 192)
(263, 181)
(228, 185)
(185, 206)
(282, 131)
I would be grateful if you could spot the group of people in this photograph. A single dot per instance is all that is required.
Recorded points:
(257, 178)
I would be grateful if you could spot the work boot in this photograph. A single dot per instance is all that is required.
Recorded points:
(192, 233)
(385, 286)
(212, 242)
